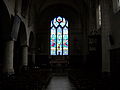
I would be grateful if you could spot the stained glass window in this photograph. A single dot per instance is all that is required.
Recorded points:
(59, 36)
(99, 11)
(118, 3)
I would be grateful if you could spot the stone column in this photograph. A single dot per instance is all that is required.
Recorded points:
(85, 37)
(24, 55)
(33, 58)
(105, 13)
(8, 57)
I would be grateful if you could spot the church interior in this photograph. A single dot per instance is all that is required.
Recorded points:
(59, 44)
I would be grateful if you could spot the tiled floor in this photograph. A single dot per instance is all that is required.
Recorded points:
(60, 83)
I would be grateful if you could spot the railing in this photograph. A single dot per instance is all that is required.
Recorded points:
(59, 60)
(29, 79)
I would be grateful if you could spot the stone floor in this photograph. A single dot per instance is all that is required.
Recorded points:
(60, 83)
(45, 79)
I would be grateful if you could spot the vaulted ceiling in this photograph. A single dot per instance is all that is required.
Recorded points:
(51, 8)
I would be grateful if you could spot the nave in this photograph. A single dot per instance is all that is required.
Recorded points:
(35, 78)
(60, 82)
(80, 34)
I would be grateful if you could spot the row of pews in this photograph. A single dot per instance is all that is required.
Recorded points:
(30, 78)
(89, 80)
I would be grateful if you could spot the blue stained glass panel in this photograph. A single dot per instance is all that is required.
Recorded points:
(53, 33)
(53, 52)
(65, 41)
(63, 22)
(65, 52)
(65, 47)
(65, 30)
(53, 36)
(53, 47)
(59, 46)
(59, 41)
(65, 36)
(55, 22)
(53, 30)
(53, 41)
(59, 33)
(65, 33)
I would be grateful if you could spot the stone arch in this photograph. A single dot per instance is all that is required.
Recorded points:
(19, 32)
(5, 29)
(5, 22)
(23, 34)
(58, 3)
(78, 9)
(59, 9)
(16, 22)
(20, 37)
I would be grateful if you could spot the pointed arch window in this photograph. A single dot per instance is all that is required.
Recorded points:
(59, 36)
(116, 5)
(99, 16)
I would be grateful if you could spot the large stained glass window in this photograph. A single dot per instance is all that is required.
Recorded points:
(59, 36)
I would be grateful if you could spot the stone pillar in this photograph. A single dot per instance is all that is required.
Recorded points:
(8, 57)
(33, 58)
(24, 55)
(85, 37)
(85, 52)
(105, 13)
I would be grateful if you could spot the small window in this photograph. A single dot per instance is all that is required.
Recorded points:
(116, 5)
(98, 16)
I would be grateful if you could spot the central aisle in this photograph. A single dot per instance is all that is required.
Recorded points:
(60, 83)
